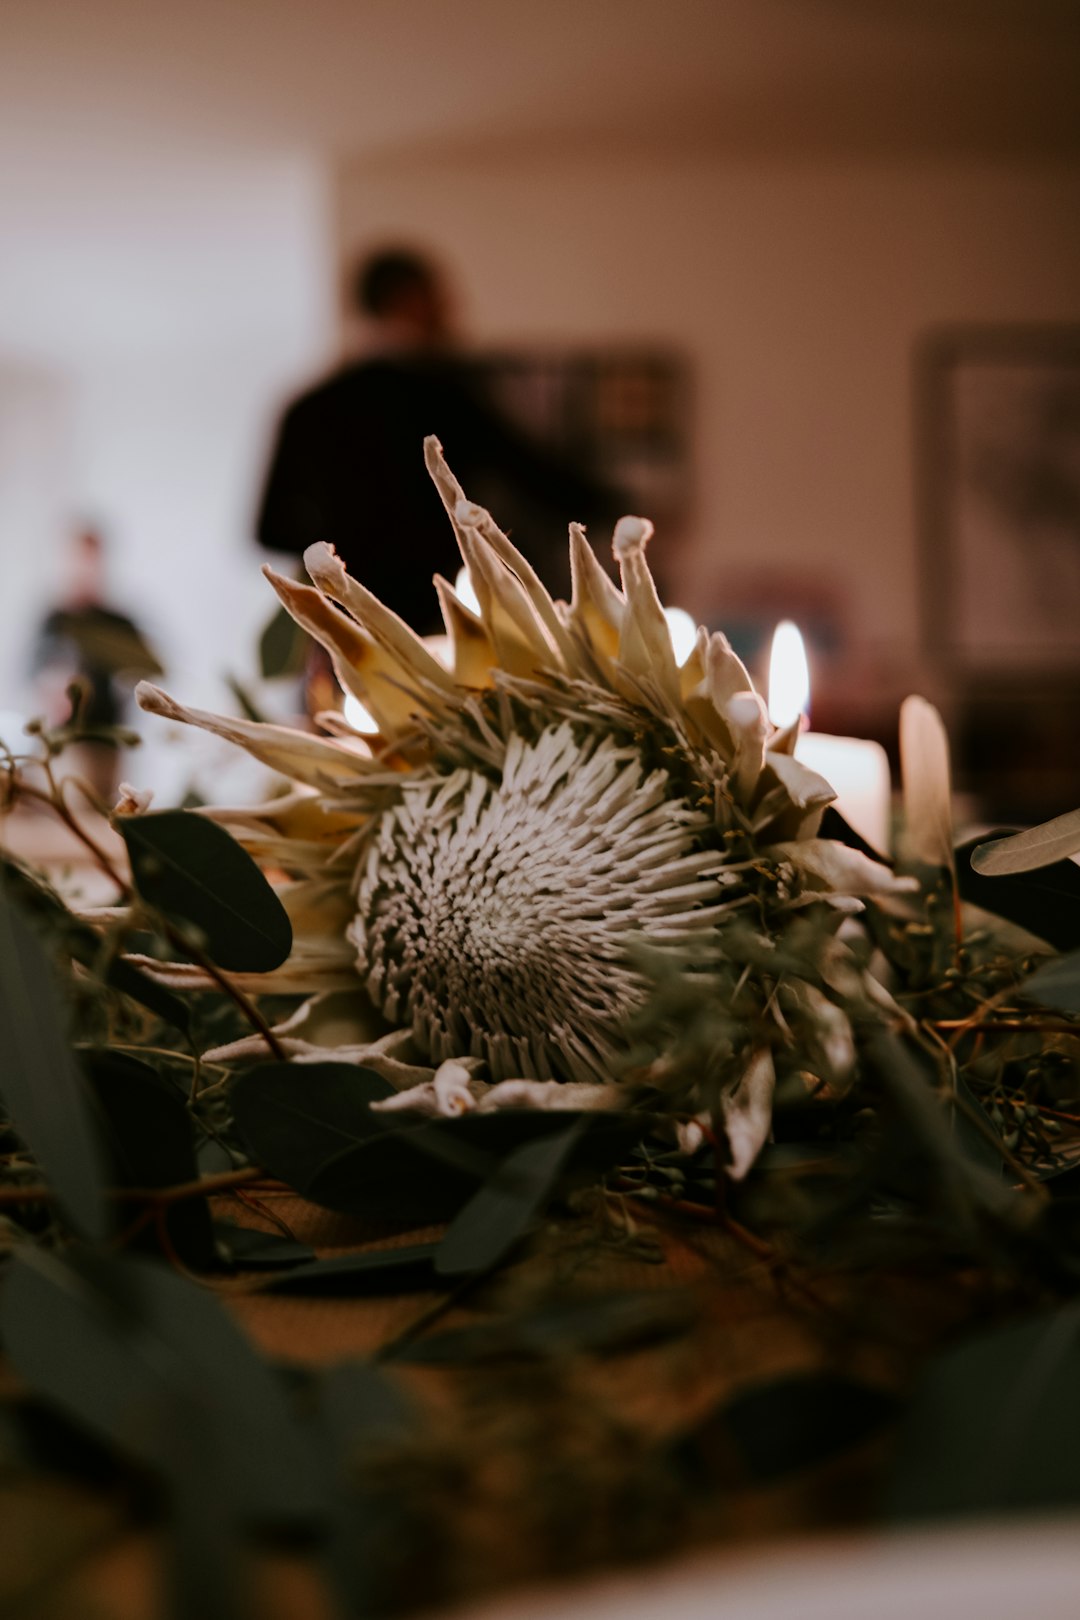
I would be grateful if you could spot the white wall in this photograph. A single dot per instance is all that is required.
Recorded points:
(798, 286)
(155, 307)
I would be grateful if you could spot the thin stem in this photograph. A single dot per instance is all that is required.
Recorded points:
(206, 1186)
(247, 1007)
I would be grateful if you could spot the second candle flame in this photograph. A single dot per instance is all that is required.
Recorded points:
(789, 676)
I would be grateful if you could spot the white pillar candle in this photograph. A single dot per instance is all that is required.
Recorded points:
(856, 768)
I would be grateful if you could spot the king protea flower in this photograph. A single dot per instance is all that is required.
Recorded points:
(470, 890)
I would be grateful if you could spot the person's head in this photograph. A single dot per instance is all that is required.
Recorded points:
(401, 289)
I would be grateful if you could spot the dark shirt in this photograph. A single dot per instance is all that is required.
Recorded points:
(106, 649)
(348, 468)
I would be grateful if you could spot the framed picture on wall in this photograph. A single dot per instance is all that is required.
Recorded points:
(999, 463)
(620, 414)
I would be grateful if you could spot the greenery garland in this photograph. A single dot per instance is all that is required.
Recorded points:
(851, 1089)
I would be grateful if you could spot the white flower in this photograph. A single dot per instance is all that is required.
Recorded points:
(494, 917)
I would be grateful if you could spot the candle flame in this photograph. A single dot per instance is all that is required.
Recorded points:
(682, 629)
(789, 677)
(465, 591)
(358, 717)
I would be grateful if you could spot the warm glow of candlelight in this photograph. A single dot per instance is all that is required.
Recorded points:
(683, 632)
(463, 590)
(358, 717)
(789, 676)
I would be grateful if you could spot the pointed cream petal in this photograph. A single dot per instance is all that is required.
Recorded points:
(510, 595)
(358, 663)
(748, 721)
(473, 651)
(418, 665)
(645, 643)
(516, 654)
(476, 517)
(317, 760)
(692, 671)
(450, 491)
(725, 672)
(597, 608)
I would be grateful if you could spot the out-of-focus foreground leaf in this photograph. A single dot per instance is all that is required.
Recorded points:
(41, 1083)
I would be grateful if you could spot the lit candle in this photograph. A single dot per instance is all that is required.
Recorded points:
(857, 769)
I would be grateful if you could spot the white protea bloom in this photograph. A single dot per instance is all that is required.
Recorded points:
(469, 886)
(493, 917)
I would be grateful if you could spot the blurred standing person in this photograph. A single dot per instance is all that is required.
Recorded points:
(82, 641)
(348, 465)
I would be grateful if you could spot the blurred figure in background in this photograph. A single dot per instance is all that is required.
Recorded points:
(348, 466)
(84, 642)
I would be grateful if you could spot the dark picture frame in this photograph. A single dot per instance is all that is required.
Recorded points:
(998, 463)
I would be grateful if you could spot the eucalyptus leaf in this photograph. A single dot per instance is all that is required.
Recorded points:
(428, 1171)
(363, 1412)
(1031, 849)
(991, 1426)
(41, 902)
(249, 1248)
(496, 1216)
(147, 1133)
(196, 873)
(126, 1339)
(1046, 902)
(375, 1271)
(621, 1320)
(1055, 984)
(294, 1117)
(44, 1091)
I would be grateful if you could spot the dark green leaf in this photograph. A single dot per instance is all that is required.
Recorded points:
(148, 1135)
(282, 646)
(196, 873)
(1055, 984)
(500, 1212)
(129, 1339)
(43, 1088)
(1046, 902)
(361, 1412)
(428, 1171)
(248, 1248)
(41, 903)
(377, 1271)
(295, 1117)
(607, 1322)
(794, 1423)
(991, 1426)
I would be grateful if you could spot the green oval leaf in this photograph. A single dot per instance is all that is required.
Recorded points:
(294, 1117)
(148, 1135)
(375, 1271)
(987, 1429)
(428, 1171)
(43, 1088)
(196, 873)
(130, 1338)
(494, 1219)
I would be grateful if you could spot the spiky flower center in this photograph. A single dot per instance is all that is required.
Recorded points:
(496, 917)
